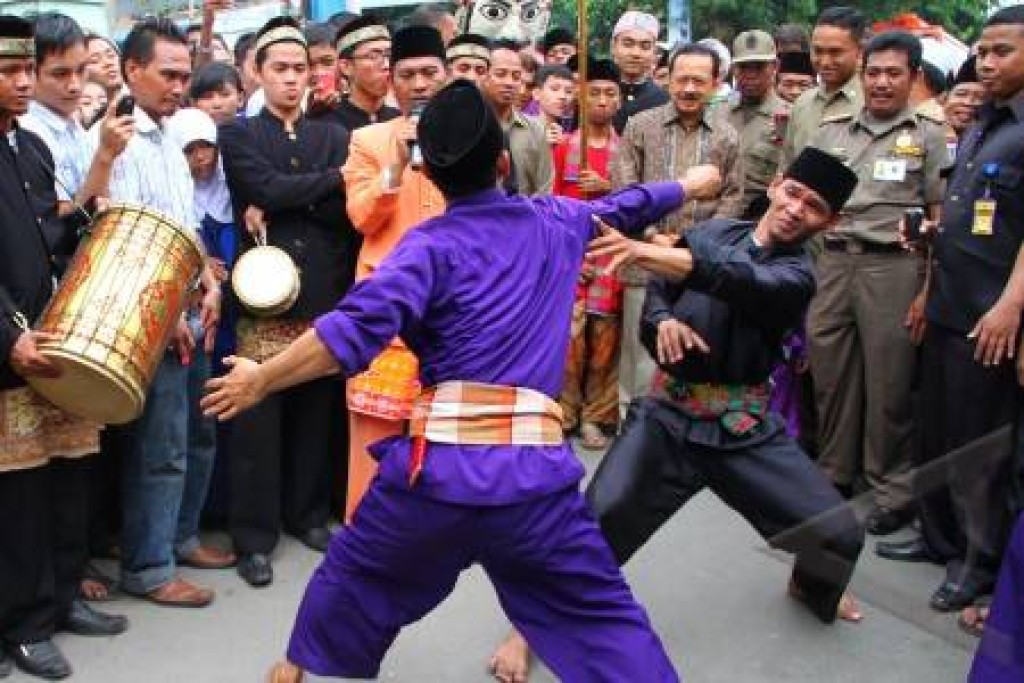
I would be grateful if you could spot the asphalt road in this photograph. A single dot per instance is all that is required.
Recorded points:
(714, 591)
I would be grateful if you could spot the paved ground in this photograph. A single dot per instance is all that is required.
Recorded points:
(714, 591)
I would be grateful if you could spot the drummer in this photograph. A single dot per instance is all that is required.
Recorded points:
(43, 483)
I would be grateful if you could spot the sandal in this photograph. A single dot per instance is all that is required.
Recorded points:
(972, 619)
(592, 438)
(179, 593)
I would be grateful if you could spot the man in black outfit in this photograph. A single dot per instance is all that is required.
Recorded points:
(283, 170)
(44, 480)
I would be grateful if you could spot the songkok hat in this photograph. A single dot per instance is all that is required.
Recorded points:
(279, 30)
(597, 69)
(458, 133)
(636, 21)
(469, 45)
(557, 36)
(191, 125)
(968, 72)
(796, 63)
(416, 41)
(753, 46)
(360, 30)
(824, 174)
(16, 37)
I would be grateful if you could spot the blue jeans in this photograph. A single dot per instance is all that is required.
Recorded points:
(202, 449)
(157, 485)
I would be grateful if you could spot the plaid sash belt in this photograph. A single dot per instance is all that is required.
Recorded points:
(481, 414)
(738, 407)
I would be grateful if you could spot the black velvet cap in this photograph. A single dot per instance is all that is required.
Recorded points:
(795, 63)
(968, 72)
(824, 174)
(557, 36)
(458, 132)
(17, 37)
(416, 41)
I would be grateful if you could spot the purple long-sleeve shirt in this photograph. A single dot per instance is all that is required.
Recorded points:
(484, 293)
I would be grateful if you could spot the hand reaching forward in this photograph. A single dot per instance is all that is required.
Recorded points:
(235, 392)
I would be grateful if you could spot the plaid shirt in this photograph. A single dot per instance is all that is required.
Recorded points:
(656, 147)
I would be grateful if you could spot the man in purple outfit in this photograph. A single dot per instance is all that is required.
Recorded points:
(483, 295)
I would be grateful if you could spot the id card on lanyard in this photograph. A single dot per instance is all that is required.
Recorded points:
(983, 222)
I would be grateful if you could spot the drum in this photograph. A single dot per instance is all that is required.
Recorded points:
(115, 311)
(265, 279)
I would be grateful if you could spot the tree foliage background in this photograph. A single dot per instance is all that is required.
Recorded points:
(723, 19)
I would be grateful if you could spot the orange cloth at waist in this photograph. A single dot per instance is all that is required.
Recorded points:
(33, 430)
(482, 414)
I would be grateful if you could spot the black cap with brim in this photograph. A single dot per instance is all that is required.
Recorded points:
(416, 41)
(17, 38)
(825, 174)
(458, 133)
(796, 63)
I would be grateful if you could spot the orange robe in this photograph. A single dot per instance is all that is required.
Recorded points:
(380, 399)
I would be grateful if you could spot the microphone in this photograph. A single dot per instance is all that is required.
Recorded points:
(415, 154)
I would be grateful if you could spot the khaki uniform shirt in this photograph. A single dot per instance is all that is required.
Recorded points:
(761, 138)
(813, 107)
(655, 147)
(531, 155)
(897, 163)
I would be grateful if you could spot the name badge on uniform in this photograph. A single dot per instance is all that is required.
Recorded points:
(891, 170)
(984, 217)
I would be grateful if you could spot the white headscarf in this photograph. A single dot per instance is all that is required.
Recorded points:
(211, 196)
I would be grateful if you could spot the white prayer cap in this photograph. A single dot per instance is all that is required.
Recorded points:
(638, 21)
(191, 125)
(724, 56)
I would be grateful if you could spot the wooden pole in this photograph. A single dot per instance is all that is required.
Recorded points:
(582, 58)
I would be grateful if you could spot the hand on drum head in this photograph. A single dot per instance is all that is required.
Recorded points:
(235, 392)
(26, 359)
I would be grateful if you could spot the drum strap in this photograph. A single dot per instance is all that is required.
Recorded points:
(11, 312)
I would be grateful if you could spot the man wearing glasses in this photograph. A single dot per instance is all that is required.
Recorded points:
(364, 52)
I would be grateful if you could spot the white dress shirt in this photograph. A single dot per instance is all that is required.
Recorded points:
(68, 142)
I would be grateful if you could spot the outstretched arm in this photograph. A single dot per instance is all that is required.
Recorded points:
(345, 340)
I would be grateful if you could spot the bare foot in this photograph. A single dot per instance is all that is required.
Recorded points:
(94, 591)
(848, 609)
(285, 672)
(511, 661)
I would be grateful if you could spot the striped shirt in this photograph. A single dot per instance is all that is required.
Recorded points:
(152, 171)
(68, 143)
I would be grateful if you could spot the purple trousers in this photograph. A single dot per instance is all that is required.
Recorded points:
(554, 575)
(1000, 655)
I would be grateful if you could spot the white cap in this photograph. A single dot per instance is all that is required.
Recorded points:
(191, 125)
(638, 21)
(724, 56)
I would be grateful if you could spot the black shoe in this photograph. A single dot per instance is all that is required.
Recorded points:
(6, 665)
(255, 569)
(882, 522)
(952, 597)
(914, 550)
(41, 659)
(317, 538)
(83, 620)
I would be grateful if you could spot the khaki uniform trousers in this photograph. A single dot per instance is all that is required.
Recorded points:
(863, 363)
